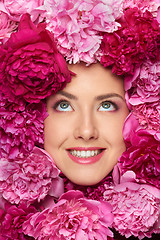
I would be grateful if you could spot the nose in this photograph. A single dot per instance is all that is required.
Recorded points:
(86, 127)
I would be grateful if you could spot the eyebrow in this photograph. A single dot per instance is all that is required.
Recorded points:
(98, 98)
(68, 95)
(109, 95)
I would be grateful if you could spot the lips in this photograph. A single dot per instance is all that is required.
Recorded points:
(85, 155)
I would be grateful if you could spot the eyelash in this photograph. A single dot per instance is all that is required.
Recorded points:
(60, 102)
(115, 106)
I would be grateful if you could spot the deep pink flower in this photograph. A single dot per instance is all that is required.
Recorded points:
(144, 85)
(77, 25)
(143, 159)
(142, 154)
(20, 131)
(11, 221)
(29, 178)
(73, 217)
(135, 207)
(136, 40)
(30, 65)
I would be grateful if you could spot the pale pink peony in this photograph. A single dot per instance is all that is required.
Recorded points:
(73, 217)
(144, 85)
(16, 8)
(20, 131)
(77, 25)
(135, 207)
(29, 178)
(30, 64)
(7, 26)
(150, 5)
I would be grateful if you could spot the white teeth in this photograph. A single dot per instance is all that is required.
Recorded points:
(85, 154)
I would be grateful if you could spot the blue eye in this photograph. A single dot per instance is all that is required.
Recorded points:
(108, 106)
(63, 106)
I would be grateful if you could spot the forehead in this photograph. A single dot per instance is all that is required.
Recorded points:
(94, 78)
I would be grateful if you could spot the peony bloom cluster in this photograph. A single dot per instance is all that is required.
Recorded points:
(20, 131)
(30, 64)
(135, 207)
(29, 178)
(11, 220)
(77, 26)
(134, 42)
(73, 217)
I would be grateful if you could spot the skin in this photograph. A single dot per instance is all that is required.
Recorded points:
(89, 112)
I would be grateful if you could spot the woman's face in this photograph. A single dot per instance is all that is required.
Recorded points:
(83, 132)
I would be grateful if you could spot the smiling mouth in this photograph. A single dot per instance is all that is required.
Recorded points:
(85, 154)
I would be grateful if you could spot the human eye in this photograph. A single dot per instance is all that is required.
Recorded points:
(108, 106)
(63, 106)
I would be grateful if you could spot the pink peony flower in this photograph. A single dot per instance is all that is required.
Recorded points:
(148, 116)
(135, 207)
(73, 217)
(21, 131)
(135, 41)
(11, 221)
(142, 154)
(150, 5)
(30, 64)
(7, 26)
(77, 25)
(29, 178)
(16, 8)
(144, 85)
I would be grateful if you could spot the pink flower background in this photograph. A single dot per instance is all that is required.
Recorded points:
(35, 36)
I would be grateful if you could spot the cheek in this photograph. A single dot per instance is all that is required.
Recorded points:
(56, 131)
(52, 131)
(112, 126)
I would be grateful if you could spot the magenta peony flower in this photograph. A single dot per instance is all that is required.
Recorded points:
(73, 217)
(143, 159)
(135, 207)
(12, 219)
(135, 41)
(21, 131)
(29, 178)
(144, 85)
(150, 5)
(77, 25)
(30, 64)
(142, 154)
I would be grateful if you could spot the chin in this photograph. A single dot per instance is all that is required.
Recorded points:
(84, 181)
